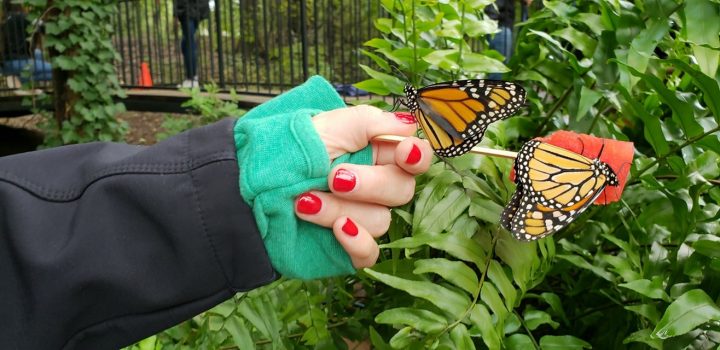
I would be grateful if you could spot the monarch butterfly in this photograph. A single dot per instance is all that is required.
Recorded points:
(454, 115)
(554, 187)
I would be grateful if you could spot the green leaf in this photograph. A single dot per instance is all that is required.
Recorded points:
(491, 298)
(65, 63)
(148, 343)
(475, 62)
(444, 212)
(555, 303)
(588, 98)
(422, 320)
(561, 9)
(455, 272)
(644, 336)
(702, 29)
(376, 339)
(642, 48)
(456, 245)
(565, 342)
(378, 43)
(681, 109)
(224, 309)
(522, 258)
(382, 63)
(374, 86)
(392, 83)
(566, 54)
(403, 338)
(461, 338)
(578, 39)
(653, 129)
(239, 332)
(444, 59)
(709, 86)
(518, 342)
(708, 248)
(485, 210)
(502, 282)
(583, 264)
(689, 311)
(444, 298)
(480, 318)
(536, 318)
(255, 319)
(648, 311)
(651, 289)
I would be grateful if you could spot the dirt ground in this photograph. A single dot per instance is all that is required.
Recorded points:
(143, 126)
(21, 134)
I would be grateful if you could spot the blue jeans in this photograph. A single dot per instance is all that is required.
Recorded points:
(502, 42)
(41, 70)
(189, 46)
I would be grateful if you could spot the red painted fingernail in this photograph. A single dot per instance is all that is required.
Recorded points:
(350, 228)
(344, 181)
(414, 155)
(405, 117)
(309, 203)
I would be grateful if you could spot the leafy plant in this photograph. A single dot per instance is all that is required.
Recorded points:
(428, 41)
(77, 35)
(643, 72)
(639, 273)
(205, 107)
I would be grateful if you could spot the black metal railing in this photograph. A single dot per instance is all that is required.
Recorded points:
(259, 46)
(252, 46)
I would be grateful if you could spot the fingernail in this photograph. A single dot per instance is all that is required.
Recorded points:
(344, 181)
(350, 228)
(309, 203)
(414, 155)
(405, 117)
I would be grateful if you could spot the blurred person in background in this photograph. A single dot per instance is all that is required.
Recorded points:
(503, 11)
(190, 13)
(17, 52)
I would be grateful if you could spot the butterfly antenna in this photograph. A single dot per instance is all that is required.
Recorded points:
(397, 102)
(401, 74)
(602, 148)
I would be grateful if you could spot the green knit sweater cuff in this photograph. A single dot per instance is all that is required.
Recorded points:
(280, 156)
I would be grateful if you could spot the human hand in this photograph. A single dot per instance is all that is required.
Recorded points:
(357, 208)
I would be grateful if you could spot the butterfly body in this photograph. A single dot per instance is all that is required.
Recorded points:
(554, 187)
(454, 115)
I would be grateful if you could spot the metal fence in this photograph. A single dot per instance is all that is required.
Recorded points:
(252, 46)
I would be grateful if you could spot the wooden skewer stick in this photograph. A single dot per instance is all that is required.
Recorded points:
(477, 149)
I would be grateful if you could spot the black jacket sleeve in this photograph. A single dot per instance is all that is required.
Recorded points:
(104, 244)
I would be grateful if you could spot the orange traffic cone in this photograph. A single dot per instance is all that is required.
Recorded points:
(145, 76)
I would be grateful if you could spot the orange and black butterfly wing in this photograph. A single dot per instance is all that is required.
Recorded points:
(563, 179)
(454, 115)
(555, 186)
(508, 214)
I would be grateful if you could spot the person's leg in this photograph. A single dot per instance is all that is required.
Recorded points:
(185, 43)
(502, 42)
(192, 74)
(12, 74)
(16, 68)
(42, 70)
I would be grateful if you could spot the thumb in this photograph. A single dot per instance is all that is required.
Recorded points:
(348, 130)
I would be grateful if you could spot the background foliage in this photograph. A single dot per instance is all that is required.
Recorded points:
(643, 71)
(77, 35)
(640, 273)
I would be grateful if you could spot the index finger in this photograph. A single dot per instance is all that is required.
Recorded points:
(348, 130)
(412, 154)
